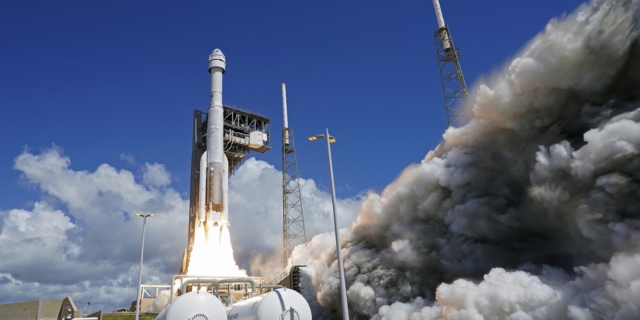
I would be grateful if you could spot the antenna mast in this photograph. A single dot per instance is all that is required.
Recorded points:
(293, 218)
(454, 88)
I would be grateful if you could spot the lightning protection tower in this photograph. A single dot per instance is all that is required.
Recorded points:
(293, 218)
(456, 96)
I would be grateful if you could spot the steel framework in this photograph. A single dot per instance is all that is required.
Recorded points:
(454, 89)
(293, 217)
(238, 126)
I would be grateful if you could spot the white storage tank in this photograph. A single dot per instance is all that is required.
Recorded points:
(194, 305)
(278, 304)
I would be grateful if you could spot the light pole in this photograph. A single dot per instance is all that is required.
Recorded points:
(343, 288)
(144, 224)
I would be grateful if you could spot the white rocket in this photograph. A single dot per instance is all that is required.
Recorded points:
(214, 165)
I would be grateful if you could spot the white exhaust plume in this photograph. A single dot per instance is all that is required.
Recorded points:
(529, 211)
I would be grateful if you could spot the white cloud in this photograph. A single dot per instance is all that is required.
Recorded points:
(82, 238)
(155, 175)
(129, 158)
(255, 213)
(42, 230)
(88, 247)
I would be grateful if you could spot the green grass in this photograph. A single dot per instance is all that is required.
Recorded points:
(128, 316)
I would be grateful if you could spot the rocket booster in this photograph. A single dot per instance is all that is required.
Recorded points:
(214, 164)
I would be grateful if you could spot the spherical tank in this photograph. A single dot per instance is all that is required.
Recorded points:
(162, 315)
(277, 304)
(194, 305)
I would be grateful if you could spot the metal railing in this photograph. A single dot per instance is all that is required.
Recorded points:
(222, 287)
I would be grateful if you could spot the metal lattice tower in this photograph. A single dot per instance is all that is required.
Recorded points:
(454, 88)
(293, 217)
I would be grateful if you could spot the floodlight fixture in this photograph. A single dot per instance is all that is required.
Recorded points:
(332, 139)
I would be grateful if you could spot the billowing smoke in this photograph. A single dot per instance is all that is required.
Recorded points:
(529, 211)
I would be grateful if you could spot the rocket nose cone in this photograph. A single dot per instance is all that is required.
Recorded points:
(217, 59)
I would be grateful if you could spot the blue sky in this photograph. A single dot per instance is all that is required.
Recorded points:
(103, 78)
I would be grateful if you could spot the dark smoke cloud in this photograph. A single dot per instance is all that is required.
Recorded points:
(529, 211)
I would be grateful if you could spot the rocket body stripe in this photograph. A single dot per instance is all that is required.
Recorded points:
(202, 194)
(225, 189)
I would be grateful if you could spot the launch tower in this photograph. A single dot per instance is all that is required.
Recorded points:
(454, 89)
(293, 217)
(243, 132)
(210, 284)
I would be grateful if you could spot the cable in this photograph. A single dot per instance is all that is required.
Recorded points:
(265, 60)
(281, 22)
(317, 58)
(270, 32)
(44, 124)
(473, 30)
(353, 31)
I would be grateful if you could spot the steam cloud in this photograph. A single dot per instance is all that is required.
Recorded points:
(529, 211)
